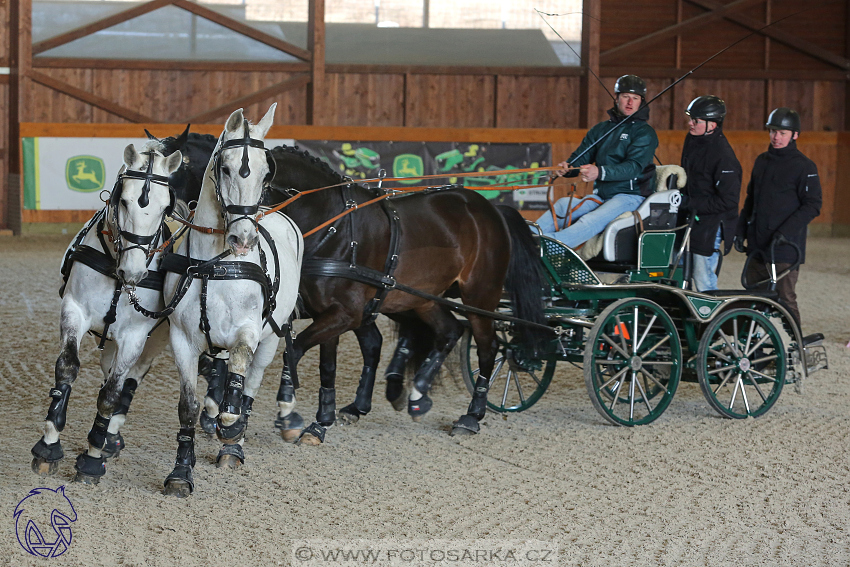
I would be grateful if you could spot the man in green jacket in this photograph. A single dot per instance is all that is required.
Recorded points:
(618, 165)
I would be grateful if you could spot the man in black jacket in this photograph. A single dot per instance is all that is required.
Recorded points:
(783, 197)
(713, 189)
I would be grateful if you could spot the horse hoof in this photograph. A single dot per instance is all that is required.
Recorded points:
(290, 435)
(309, 439)
(178, 488)
(42, 467)
(419, 408)
(466, 425)
(114, 445)
(228, 462)
(400, 402)
(86, 478)
(349, 415)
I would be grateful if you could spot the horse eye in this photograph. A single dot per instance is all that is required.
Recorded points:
(125, 203)
(225, 170)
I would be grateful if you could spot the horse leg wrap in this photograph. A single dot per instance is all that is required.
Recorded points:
(286, 392)
(291, 421)
(327, 407)
(50, 453)
(127, 393)
(59, 406)
(425, 375)
(478, 405)
(232, 400)
(420, 407)
(97, 434)
(233, 433)
(395, 370)
(234, 450)
(114, 445)
(94, 467)
(363, 399)
(214, 371)
(185, 458)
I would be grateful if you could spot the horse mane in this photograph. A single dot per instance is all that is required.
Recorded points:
(280, 152)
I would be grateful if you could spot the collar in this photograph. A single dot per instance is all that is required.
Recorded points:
(642, 114)
(783, 152)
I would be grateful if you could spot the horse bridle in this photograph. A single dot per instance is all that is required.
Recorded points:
(245, 212)
(145, 243)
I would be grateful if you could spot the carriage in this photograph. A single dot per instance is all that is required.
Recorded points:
(628, 320)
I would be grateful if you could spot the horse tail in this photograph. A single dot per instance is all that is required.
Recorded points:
(525, 281)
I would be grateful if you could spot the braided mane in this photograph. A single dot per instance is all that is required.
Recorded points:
(280, 153)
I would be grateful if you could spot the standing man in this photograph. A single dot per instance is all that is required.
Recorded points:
(783, 197)
(713, 189)
(617, 165)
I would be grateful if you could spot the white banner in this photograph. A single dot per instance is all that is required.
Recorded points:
(71, 173)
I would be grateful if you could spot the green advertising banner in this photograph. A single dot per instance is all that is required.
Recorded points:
(363, 160)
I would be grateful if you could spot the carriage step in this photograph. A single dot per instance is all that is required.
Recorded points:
(815, 339)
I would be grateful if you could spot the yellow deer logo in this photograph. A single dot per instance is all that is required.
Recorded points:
(83, 175)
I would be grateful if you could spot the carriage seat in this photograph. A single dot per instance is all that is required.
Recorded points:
(659, 211)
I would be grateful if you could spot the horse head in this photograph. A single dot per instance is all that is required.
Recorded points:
(243, 167)
(140, 200)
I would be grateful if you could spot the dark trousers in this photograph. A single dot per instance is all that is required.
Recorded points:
(785, 287)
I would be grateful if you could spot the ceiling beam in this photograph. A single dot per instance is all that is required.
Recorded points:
(716, 13)
(779, 35)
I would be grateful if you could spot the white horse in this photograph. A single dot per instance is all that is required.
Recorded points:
(114, 251)
(239, 305)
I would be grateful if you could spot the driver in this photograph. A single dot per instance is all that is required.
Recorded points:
(618, 166)
(783, 197)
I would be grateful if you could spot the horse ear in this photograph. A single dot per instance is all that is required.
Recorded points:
(181, 140)
(130, 155)
(173, 162)
(151, 136)
(262, 128)
(235, 121)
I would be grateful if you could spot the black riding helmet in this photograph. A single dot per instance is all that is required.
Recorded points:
(630, 84)
(784, 118)
(707, 107)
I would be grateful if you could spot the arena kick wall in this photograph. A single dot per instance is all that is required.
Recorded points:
(829, 150)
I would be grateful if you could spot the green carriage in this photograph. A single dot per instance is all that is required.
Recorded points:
(636, 330)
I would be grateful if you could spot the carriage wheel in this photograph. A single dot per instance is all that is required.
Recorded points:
(517, 382)
(632, 362)
(741, 364)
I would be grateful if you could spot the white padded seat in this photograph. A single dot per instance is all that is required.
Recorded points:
(658, 212)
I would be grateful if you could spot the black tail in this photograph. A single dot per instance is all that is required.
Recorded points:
(525, 281)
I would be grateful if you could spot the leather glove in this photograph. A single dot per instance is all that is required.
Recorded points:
(572, 173)
(685, 201)
(738, 242)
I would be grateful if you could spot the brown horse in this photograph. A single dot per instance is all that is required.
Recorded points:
(448, 239)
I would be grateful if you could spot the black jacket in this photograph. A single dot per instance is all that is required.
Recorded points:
(713, 189)
(784, 196)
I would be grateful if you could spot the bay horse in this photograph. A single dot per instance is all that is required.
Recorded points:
(115, 251)
(437, 240)
(242, 306)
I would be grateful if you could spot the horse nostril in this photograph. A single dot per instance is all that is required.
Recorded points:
(232, 241)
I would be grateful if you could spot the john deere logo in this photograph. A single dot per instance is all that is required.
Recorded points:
(408, 165)
(84, 174)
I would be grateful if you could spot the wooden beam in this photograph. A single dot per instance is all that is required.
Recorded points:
(777, 34)
(299, 80)
(589, 84)
(728, 74)
(243, 29)
(94, 27)
(170, 65)
(622, 51)
(316, 44)
(88, 97)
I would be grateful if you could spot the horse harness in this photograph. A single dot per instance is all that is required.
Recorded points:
(106, 264)
(217, 269)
